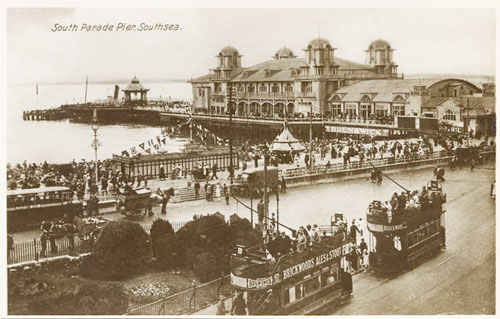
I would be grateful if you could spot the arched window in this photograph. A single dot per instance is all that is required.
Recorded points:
(449, 115)
(275, 88)
(288, 88)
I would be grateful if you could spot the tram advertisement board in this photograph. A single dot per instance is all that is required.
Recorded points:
(317, 260)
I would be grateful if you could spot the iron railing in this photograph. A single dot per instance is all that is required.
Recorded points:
(30, 251)
(187, 301)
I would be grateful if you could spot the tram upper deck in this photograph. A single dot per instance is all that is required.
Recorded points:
(426, 206)
(253, 269)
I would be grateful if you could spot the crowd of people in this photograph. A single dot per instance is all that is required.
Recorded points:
(406, 201)
(78, 176)
(278, 243)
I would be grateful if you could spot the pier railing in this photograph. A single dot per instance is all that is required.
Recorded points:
(357, 164)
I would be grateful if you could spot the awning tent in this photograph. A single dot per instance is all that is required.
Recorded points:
(286, 142)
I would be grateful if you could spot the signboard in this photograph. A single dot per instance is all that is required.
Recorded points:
(260, 282)
(357, 130)
(398, 132)
(250, 283)
(429, 124)
(406, 122)
(385, 228)
(238, 281)
(316, 261)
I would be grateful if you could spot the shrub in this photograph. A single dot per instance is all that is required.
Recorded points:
(203, 266)
(121, 250)
(162, 242)
(91, 299)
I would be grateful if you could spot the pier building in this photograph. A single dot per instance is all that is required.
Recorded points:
(287, 85)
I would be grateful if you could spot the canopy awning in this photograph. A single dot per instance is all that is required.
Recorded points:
(286, 142)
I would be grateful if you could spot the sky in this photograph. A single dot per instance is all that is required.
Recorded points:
(451, 41)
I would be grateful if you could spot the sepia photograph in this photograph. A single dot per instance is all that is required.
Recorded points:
(248, 161)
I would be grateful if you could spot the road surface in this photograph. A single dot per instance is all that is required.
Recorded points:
(461, 280)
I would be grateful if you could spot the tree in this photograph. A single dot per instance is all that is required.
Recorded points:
(121, 250)
(205, 244)
(162, 242)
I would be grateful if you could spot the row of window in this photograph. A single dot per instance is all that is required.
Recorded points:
(419, 235)
(320, 279)
(365, 110)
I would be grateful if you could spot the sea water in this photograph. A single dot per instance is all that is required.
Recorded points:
(62, 141)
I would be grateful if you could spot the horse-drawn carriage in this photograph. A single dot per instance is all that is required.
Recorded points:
(134, 203)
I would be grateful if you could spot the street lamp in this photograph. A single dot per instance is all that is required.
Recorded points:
(95, 144)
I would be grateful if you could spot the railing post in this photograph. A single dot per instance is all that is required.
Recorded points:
(34, 249)
(193, 296)
(219, 289)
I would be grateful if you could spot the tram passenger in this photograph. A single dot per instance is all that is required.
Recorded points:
(353, 231)
(301, 240)
(388, 210)
(286, 244)
(309, 235)
(394, 203)
(316, 236)
(402, 202)
(272, 245)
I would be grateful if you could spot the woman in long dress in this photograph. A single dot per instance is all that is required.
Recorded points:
(217, 191)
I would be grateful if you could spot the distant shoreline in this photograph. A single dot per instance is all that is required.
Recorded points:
(118, 81)
(473, 77)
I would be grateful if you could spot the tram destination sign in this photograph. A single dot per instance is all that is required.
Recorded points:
(357, 130)
(316, 261)
(385, 228)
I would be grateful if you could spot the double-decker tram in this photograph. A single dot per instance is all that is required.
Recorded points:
(27, 208)
(407, 230)
(298, 282)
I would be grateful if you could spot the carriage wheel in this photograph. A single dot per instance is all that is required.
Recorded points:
(142, 212)
(138, 211)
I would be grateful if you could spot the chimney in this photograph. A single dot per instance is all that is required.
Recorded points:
(117, 91)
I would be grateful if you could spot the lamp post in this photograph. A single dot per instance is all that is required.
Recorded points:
(95, 144)
(310, 138)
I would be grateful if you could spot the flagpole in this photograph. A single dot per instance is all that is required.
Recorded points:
(37, 106)
(86, 85)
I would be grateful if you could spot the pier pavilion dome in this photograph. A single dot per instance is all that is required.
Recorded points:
(380, 55)
(284, 53)
(229, 58)
(229, 51)
(319, 52)
(379, 45)
(319, 43)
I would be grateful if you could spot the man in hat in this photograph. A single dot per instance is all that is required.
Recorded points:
(239, 307)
